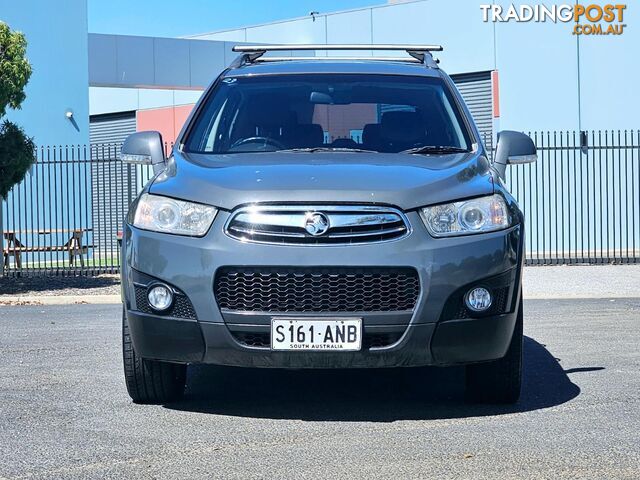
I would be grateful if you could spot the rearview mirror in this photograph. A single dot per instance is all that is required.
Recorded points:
(144, 148)
(514, 148)
(320, 98)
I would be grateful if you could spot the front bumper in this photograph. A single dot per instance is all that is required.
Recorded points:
(443, 266)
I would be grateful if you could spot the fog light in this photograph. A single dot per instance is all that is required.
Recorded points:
(160, 297)
(478, 299)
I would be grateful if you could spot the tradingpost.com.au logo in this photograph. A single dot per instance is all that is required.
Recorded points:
(590, 19)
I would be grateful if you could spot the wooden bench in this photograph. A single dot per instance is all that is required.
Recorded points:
(15, 248)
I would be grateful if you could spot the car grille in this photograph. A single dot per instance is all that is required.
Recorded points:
(263, 339)
(287, 225)
(181, 307)
(316, 289)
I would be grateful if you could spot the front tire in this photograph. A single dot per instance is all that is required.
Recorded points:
(150, 381)
(498, 381)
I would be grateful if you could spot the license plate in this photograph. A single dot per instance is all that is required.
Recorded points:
(305, 334)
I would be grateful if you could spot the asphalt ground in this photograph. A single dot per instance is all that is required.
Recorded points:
(64, 411)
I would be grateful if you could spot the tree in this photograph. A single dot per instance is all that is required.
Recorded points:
(17, 151)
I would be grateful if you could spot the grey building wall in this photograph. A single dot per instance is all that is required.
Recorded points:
(476, 89)
(153, 62)
(113, 183)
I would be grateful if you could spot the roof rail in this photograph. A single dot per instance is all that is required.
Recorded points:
(418, 53)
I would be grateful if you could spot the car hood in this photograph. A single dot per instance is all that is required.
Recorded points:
(403, 180)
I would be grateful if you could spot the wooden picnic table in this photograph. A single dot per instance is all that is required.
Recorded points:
(47, 231)
(15, 247)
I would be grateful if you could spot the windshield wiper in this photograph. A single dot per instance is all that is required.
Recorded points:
(326, 149)
(435, 149)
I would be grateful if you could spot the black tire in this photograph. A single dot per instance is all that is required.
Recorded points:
(150, 381)
(498, 381)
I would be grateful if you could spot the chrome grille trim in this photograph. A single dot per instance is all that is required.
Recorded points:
(348, 224)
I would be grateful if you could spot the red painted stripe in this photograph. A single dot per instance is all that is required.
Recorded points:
(166, 120)
(495, 93)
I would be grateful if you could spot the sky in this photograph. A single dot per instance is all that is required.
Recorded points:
(176, 18)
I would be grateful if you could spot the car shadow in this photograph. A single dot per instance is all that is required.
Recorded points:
(372, 395)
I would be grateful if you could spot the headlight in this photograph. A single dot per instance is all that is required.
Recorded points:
(167, 215)
(484, 214)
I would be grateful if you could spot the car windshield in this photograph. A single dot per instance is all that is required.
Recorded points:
(318, 112)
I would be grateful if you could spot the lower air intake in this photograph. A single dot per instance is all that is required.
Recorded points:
(316, 289)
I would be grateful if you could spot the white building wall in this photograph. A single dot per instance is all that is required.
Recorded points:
(537, 62)
(109, 99)
(610, 71)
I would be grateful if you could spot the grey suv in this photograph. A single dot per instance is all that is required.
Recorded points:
(325, 212)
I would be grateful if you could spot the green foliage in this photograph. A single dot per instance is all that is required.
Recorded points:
(17, 151)
(15, 69)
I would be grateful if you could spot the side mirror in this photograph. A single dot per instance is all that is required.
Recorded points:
(513, 148)
(144, 148)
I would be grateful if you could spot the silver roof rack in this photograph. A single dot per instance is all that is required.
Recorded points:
(417, 53)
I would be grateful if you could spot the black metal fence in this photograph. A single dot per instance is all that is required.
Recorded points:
(581, 199)
(581, 202)
(66, 216)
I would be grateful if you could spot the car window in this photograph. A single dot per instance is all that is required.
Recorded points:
(383, 113)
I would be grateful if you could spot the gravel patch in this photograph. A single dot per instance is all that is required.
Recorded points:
(62, 285)
(582, 281)
(595, 281)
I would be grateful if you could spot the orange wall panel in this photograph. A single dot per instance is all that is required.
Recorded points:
(168, 121)
(181, 113)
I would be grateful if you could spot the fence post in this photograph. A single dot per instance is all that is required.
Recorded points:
(2, 237)
(584, 142)
(129, 186)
